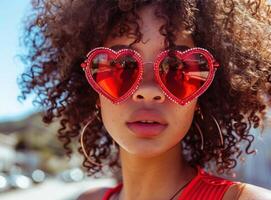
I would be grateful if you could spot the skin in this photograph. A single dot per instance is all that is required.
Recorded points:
(164, 167)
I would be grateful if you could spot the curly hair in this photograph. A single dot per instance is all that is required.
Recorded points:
(59, 34)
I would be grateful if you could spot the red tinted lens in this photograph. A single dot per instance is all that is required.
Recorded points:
(114, 76)
(183, 77)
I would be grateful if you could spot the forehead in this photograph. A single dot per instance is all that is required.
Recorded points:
(149, 26)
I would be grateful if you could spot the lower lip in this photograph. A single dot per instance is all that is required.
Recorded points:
(146, 130)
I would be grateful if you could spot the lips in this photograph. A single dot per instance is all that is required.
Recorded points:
(142, 129)
(147, 115)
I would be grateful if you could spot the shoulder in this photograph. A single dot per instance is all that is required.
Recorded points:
(245, 191)
(94, 194)
(239, 190)
(254, 192)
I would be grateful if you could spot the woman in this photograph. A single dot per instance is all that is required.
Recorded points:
(157, 89)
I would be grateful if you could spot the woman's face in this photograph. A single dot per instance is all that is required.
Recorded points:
(148, 96)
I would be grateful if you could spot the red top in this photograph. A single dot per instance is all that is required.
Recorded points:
(203, 186)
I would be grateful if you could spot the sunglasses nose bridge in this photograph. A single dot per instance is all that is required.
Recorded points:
(147, 63)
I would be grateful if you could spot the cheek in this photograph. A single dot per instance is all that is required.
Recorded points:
(111, 116)
(181, 120)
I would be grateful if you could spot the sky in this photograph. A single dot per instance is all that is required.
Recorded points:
(10, 66)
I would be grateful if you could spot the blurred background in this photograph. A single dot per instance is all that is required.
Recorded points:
(32, 161)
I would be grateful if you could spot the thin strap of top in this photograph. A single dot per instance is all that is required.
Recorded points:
(203, 186)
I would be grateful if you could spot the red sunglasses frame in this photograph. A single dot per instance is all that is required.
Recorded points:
(213, 65)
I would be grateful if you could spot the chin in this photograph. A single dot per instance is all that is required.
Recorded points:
(145, 150)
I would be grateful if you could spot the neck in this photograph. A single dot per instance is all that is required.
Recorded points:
(156, 177)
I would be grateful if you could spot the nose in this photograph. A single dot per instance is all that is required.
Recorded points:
(148, 89)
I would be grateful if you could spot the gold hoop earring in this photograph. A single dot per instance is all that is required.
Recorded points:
(83, 147)
(201, 133)
(82, 138)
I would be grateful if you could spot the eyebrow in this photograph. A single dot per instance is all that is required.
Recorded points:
(118, 47)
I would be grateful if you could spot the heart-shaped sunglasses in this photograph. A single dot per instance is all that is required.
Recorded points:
(182, 75)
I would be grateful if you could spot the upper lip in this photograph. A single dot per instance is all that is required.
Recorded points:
(147, 115)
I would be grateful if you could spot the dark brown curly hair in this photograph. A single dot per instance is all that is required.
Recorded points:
(58, 35)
